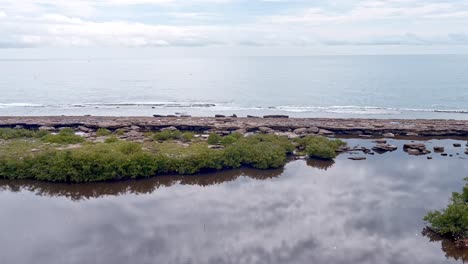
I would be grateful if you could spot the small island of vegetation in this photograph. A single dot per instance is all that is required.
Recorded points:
(68, 157)
(452, 222)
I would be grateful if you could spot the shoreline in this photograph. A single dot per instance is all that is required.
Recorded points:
(414, 128)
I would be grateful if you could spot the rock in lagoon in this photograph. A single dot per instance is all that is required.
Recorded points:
(158, 116)
(46, 128)
(466, 151)
(388, 135)
(444, 154)
(234, 116)
(415, 152)
(457, 145)
(429, 157)
(275, 116)
(220, 116)
(357, 158)
(439, 149)
(418, 146)
(380, 141)
(384, 148)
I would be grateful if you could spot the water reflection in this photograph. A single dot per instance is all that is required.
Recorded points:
(86, 191)
(320, 164)
(447, 246)
(353, 212)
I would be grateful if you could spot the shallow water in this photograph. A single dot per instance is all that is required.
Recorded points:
(309, 212)
(328, 86)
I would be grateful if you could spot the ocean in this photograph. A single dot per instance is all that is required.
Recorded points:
(429, 86)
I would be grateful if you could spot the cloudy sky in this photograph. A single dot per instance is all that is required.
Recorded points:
(439, 26)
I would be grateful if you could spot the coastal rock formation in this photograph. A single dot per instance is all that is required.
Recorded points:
(351, 127)
(416, 149)
(438, 149)
(384, 148)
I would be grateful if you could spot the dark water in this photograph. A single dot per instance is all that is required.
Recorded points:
(309, 212)
(329, 86)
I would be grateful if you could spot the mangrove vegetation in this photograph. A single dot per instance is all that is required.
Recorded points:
(68, 157)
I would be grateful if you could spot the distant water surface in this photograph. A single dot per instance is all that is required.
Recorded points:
(328, 86)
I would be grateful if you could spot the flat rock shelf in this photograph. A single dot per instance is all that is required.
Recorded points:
(326, 126)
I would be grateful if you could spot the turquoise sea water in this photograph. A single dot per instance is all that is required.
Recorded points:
(433, 86)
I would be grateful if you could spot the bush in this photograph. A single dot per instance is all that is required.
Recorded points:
(167, 135)
(214, 139)
(102, 132)
(12, 133)
(65, 136)
(320, 147)
(453, 220)
(228, 140)
(112, 139)
(187, 136)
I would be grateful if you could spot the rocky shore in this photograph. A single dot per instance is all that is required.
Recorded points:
(282, 124)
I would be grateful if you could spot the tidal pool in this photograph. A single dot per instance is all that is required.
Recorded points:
(345, 211)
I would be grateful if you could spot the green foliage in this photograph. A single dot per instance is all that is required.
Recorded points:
(65, 136)
(228, 140)
(120, 132)
(13, 133)
(214, 139)
(111, 139)
(119, 159)
(167, 135)
(187, 136)
(453, 220)
(319, 147)
(102, 132)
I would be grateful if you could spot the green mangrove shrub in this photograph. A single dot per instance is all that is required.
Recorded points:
(214, 139)
(320, 147)
(453, 220)
(167, 135)
(13, 133)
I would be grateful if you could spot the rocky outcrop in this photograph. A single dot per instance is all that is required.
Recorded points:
(348, 127)
(416, 149)
(380, 148)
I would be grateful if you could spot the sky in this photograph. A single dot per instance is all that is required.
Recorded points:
(288, 27)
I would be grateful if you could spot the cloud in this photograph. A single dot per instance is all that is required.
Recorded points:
(141, 23)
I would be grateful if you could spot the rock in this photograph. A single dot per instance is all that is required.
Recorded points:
(251, 116)
(158, 116)
(414, 152)
(241, 131)
(439, 149)
(234, 115)
(135, 128)
(384, 147)
(19, 127)
(216, 147)
(444, 154)
(325, 132)
(275, 116)
(84, 129)
(388, 135)
(289, 135)
(457, 145)
(185, 116)
(412, 134)
(300, 131)
(46, 128)
(466, 151)
(429, 157)
(171, 116)
(365, 136)
(220, 116)
(266, 130)
(380, 141)
(171, 128)
(418, 146)
(357, 158)
(343, 149)
(313, 130)
(35, 150)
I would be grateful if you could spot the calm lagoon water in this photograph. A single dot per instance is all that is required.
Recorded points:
(329, 86)
(309, 212)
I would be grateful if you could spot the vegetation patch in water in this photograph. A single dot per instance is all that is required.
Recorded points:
(67, 157)
(13, 133)
(453, 220)
(319, 147)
